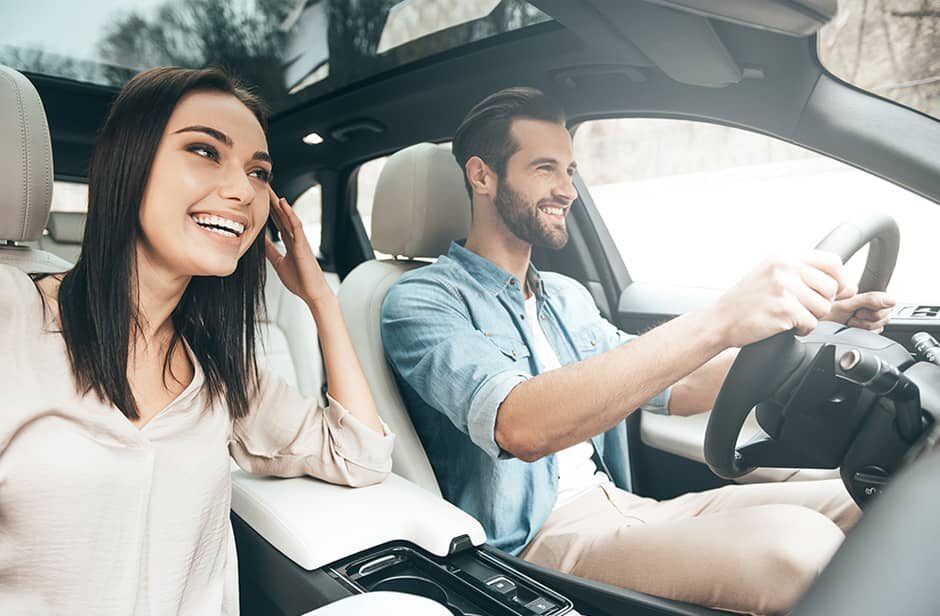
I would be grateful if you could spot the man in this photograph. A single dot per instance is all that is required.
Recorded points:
(519, 388)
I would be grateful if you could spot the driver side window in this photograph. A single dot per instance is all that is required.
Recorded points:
(697, 204)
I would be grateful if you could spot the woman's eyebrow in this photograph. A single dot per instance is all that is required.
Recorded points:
(212, 132)
(220, 136)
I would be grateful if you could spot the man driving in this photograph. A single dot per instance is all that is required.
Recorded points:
(519, 388)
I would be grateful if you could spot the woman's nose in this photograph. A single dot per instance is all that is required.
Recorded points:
(237, 186)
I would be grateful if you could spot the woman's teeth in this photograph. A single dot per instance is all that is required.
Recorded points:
(217, 224)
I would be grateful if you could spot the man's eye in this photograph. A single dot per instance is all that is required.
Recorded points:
(203, 150)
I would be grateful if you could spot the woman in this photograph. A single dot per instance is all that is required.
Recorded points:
(127, 382)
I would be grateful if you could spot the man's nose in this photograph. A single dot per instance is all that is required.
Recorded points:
(565, 189)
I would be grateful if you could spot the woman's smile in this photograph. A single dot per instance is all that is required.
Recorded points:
(223, 227)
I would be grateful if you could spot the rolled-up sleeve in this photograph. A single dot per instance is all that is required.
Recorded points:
(434, 347)
(288, 435)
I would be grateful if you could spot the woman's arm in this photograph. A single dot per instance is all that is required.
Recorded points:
(301, 274)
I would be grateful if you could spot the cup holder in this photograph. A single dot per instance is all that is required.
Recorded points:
(413, 586)
(422, 587)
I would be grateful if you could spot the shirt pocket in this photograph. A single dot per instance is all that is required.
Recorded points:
(587, 341)
(513, 348)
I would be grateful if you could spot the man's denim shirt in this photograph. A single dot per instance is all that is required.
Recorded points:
(457, 338)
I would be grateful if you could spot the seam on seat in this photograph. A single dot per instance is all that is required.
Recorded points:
(24, 149)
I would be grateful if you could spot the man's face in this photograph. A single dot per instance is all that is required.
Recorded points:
(535, 193)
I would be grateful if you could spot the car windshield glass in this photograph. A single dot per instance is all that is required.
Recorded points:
(888, 48)
(287, 50)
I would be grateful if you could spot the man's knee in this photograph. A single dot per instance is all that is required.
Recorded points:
(800, 543)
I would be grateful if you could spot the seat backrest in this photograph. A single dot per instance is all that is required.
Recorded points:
(290, 347)
(25, 175)
(64, 233)
(420, 206)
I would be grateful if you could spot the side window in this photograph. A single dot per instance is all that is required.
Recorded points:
(698, 204)
(308, 207)
(366, 180)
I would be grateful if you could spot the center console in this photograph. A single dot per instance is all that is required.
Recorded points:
(303, 544)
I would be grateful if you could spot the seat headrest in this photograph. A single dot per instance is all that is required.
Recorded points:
(420, 204)
(25, 159)
(67, 227)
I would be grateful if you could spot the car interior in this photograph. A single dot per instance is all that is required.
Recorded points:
(840, 402)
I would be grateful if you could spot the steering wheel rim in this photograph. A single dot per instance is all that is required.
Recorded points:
(755, 373)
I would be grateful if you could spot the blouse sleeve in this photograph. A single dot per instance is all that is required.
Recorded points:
(287, 435)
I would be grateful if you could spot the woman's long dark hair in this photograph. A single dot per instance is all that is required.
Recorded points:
(98, 299)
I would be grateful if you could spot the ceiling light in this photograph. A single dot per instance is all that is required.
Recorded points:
(313, 139)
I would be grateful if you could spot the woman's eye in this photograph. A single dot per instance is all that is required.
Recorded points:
(205, 151)
(262, 174)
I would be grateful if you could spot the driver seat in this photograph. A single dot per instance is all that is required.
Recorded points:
(25, 176)
(420, 206)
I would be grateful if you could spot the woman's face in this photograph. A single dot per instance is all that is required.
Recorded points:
(207, 196)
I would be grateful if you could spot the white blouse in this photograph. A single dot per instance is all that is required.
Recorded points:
(100, 517)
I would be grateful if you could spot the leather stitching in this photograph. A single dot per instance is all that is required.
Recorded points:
(23, 149)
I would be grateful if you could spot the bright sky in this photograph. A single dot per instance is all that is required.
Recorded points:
(69, 28)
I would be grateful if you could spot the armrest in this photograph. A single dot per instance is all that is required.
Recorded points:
(315, 523)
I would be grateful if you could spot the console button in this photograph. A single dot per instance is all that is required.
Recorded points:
(502, 585)
(540, 605)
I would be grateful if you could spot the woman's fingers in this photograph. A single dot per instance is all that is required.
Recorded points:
(271, 252)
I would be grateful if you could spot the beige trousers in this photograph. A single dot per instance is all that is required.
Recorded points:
(746, 548)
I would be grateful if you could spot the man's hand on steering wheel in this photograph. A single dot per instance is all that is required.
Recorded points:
(785, 293)
(869, 311)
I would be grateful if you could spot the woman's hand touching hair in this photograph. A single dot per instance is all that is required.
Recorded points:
(298, 268)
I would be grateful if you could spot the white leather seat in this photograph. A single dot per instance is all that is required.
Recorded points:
(420, 206)
(290, 347)
(64, 233)
(25, 175)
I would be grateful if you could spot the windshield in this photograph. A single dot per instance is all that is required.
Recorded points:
(888, 48)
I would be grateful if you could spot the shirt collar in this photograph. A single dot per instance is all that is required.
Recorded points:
(493, 278)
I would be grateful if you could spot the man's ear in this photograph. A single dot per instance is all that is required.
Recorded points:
(481, 177)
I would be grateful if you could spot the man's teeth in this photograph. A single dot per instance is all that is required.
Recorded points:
(556, 211)
(217, 224)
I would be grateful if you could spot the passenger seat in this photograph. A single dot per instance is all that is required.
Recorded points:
(290, 347)
(420, 206)
(63, 236)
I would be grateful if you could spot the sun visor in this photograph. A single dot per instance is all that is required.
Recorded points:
(682, 45)
(791, 17)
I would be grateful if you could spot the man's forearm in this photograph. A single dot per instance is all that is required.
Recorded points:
(697, 392)
(563, 407)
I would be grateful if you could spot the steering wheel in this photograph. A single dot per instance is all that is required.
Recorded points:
(766, 367)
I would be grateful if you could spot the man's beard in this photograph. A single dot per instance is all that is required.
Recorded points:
(522, 218)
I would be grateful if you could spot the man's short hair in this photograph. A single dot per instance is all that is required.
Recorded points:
(485, 131)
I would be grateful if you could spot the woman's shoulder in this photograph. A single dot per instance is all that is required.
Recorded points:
(18, 293)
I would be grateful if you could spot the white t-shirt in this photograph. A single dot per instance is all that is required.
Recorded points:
(577, 472)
